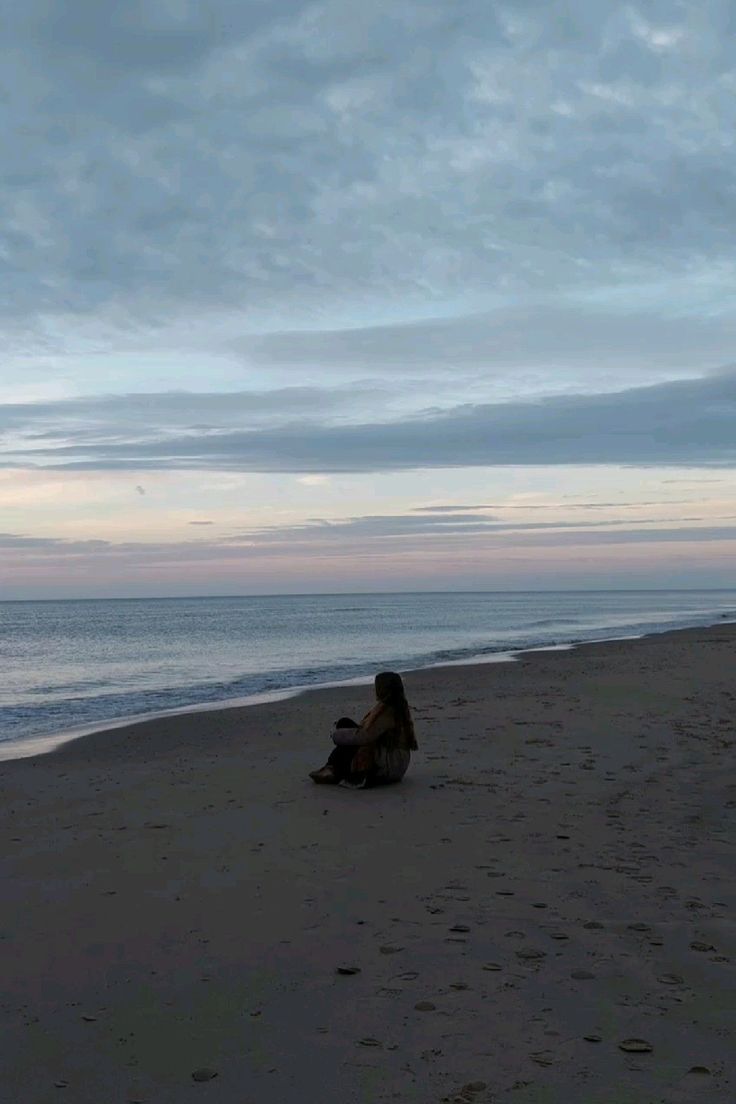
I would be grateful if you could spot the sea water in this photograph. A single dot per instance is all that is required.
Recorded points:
(72, 664)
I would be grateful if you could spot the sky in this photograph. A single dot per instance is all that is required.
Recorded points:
(325, 296)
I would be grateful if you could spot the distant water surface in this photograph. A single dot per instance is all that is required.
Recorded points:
(67, 664)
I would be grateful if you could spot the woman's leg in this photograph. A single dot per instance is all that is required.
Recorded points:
(340, 759)
(354, 770)
(338, 767)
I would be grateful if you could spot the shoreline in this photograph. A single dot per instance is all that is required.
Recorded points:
(47, 744)
(553, 877)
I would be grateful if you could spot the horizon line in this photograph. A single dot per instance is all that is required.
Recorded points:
(371, 593)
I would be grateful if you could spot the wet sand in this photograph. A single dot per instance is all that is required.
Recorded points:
(554, 877)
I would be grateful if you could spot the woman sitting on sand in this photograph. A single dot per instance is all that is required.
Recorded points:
(377, 750)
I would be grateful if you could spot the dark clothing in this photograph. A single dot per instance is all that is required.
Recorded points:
(371, 753)
(341, 760)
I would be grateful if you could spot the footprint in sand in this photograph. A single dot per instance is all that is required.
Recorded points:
(204, 1074)
(635, 1046)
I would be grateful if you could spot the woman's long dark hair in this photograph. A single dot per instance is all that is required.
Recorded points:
(390, 690)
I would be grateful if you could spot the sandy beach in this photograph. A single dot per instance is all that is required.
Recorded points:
(554, 878)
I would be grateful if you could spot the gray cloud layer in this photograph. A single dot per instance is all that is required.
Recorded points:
(391, 526)
(684, 422)
(358, 536)
(560, 336)
(285, 153)
(155, 415)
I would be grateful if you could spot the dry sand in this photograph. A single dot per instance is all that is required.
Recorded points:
(554, 876)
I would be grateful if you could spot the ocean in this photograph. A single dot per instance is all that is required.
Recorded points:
(71, 665)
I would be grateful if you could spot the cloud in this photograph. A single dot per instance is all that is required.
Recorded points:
(351, 541)
(379, 528)
(690, 481)
(313, 480)
(447, 509)
(310, 157)
(180, 407)
(140, 490)
(308, 237)
(19, 542)
(151, 416)
(532, 506)
(691, 422)
(541, 335)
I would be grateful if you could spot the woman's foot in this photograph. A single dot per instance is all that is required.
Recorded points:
(325, 775)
